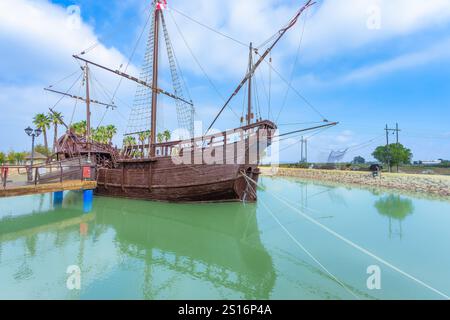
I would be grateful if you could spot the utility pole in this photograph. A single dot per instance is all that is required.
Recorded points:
(396, 131)
(301, 151)
(304, 150)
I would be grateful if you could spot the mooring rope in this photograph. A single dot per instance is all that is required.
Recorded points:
(297, 242)
(359, 248)
(307, 251)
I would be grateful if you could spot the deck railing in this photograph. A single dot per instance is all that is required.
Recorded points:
(221, 139)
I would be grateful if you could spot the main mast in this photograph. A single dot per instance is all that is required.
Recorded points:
(158, 8)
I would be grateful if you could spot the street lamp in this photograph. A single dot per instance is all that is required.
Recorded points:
(33, 134)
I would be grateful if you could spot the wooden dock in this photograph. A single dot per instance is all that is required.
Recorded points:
(70, 185)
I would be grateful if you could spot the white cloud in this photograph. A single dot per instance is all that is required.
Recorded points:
(333, 27)
(41, 37)
(341, 25)
(38, 40)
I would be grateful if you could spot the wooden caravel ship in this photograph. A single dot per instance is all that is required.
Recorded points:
(150, 171)
(159, 178)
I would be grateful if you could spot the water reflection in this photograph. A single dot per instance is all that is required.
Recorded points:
(396, 208)
(216, 243)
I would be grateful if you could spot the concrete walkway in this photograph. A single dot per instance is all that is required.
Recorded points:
(14, 191)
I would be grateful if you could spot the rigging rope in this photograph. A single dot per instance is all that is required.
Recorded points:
(309, 104)
(293, 68)
(198, 62)
(70, 88)
(63, 79)
(76, 104)
(133, 53)
(209, 28)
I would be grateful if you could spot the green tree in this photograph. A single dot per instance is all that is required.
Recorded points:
(19, 157)
(167, 135)
(160, 137)
(394, 206)
(42, 121)
(11, 157)
(111, 131)
(129, 142)
(100, 135)
(359, 160)
(56, 118)
(42, 150)
(143, 136)
(393, 154)
(80, 128)
(2, 158)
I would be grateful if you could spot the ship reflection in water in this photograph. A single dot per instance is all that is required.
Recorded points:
(130, 249)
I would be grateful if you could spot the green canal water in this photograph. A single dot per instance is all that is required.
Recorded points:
(143, 250)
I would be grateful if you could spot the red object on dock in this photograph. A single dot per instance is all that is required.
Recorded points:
(86, 173)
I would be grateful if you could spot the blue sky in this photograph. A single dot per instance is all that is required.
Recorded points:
(364, 63)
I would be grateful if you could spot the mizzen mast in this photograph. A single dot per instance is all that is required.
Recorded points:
(250, 66)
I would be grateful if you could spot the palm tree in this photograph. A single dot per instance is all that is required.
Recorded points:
(19, 157)
(160, 137)
(55, 119)
(111, 132)
(167, 135)
(128, 142)
(80, 128)
(97, 135)
(142, 137)
(42, 122)
(11, 157)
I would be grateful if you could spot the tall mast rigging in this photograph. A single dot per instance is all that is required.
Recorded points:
(281, 33)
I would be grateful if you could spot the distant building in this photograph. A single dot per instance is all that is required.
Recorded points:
(38, 158)
(428, 162)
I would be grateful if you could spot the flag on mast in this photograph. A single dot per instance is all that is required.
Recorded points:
(161, 5)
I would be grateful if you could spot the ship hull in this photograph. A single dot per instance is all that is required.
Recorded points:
(162, 180)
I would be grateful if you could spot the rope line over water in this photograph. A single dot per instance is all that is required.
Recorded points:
(361, 249)
(307, 251)
(356, 246)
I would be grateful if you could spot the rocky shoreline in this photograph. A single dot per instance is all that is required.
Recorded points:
(429, 185)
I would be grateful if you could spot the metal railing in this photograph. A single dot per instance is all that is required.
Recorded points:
(53, 172)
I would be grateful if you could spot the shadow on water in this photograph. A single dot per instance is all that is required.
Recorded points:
(396, 208)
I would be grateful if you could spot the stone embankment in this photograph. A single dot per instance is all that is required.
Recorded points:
(412, 183)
